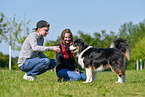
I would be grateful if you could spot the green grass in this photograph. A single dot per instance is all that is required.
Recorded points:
(12, 84)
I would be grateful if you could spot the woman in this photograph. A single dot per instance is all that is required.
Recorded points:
(66, 66)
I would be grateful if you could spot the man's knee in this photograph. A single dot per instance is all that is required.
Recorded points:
(46, 61)
(53, 61)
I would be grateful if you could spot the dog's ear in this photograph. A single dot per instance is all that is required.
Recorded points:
(75, 40)
(85, 45)
(80, 41)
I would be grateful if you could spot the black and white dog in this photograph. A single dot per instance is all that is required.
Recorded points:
(95, 59)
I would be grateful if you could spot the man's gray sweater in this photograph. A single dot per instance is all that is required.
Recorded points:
(32, 48)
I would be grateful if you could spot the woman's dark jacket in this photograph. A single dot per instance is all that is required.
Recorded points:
(64, 63)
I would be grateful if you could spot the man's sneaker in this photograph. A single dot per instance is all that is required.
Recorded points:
(26, 77)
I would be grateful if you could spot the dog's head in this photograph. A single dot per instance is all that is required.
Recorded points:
(78, 45)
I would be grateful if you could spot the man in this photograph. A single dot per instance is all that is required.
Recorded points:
(31, 58)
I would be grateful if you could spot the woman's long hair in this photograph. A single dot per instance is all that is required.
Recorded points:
(65, 47)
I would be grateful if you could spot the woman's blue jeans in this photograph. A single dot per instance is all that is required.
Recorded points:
(70, 75)
(37, 66)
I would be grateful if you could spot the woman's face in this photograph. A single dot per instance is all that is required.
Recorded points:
(67, 38)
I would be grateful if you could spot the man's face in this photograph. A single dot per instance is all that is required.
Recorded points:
(43, 31)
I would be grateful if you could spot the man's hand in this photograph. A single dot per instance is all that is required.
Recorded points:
(56, 48)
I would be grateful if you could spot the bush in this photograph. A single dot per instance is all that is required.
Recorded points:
(4, 62)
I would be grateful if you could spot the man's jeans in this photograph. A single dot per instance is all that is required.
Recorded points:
(37, 66)
(70, 75)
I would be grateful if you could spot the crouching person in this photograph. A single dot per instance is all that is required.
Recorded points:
(31, 59)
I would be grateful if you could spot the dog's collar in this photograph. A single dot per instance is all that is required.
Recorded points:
(80, 55)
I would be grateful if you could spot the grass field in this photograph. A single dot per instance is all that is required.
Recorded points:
(12, 84)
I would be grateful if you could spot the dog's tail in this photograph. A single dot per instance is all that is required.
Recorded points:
(122, 45)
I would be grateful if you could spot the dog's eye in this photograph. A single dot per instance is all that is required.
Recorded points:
(75, 45)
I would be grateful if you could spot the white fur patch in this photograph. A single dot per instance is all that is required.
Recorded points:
(100, 68)
(80, 61)
(72, 47)
(112, 45)
(121, 79)
(80, 58)
(89, 75)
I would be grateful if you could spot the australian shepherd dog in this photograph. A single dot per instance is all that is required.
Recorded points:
(94, 59)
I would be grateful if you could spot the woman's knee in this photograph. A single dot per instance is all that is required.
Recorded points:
(83, 76)
(78, 77)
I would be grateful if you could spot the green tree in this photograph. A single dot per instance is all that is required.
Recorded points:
(99, 39)
(132, 32)
(106, 39)
(135, 34)
(13, 32)
(138, 52)
(2, 26)
(4, 63)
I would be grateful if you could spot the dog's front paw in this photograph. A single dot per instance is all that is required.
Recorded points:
(86, 82)
(119, 82)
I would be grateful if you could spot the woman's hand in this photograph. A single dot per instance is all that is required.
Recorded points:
(77, 72)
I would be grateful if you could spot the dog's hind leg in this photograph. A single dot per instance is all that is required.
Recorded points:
(121, 79)
(120, 74)
(89, 75)
(124, 78)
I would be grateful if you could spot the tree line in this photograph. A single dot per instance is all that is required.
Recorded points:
(14, 32)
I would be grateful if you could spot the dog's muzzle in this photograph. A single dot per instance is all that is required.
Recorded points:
(72, 48)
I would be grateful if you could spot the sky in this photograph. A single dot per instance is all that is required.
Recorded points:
(88, 16)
